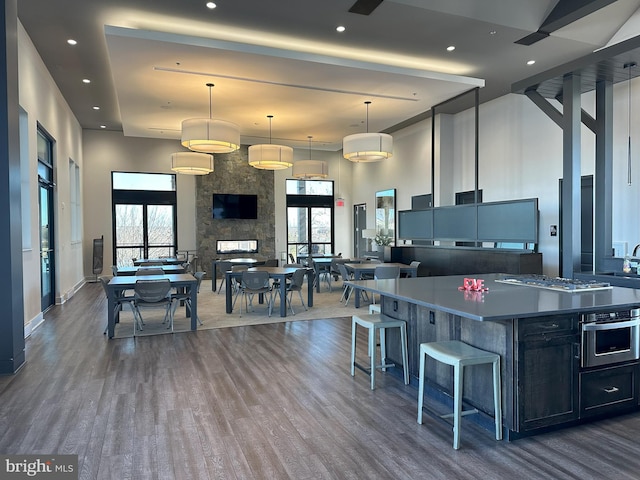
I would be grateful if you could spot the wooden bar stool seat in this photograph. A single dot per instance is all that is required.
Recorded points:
(459, 355)
(378, 322)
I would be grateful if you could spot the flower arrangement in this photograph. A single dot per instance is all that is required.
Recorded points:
(383, 240)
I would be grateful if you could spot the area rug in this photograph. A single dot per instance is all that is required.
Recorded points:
(211, 311)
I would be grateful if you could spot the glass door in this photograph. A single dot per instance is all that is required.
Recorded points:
(47, 256)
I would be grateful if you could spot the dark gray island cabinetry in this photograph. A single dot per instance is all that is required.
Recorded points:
(558, 367)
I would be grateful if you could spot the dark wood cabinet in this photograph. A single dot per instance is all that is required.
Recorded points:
(607, 390)
(547, 372)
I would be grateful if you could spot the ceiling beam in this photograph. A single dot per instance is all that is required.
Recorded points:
(564, 13)
(364, 7)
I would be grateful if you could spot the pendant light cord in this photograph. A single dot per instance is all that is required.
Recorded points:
(629, 66)
(270, 117)
(367, 103)
(210, 85)
(629, 129)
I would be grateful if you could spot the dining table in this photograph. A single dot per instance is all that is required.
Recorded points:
(119, 284)
(367, 269)
(165, 268)
(279, 274)
(249, 262)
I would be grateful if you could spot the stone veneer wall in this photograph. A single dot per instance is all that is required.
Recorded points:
(232, 174)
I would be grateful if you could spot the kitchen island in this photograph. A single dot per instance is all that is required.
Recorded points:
(536, 331)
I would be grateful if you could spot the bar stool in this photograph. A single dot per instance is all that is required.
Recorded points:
(374, 323)
(459, 355)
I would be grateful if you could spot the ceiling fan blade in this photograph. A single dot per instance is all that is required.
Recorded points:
(365, 7)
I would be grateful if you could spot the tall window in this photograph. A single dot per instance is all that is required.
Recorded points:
(144, 216)
(310, 217)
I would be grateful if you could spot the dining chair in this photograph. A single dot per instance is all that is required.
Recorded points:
(185, 296)
(382, 272)
(415, 264)
(322, 272)
(152, 294)
(120, 300)
(347, 290)
(222, 268)
(235, 283)
(253, 283)
(295, 285)
(149, 271)
(271, 262)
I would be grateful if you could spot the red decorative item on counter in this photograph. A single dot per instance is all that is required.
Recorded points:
(473, 285)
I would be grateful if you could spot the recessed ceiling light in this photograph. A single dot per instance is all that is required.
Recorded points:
(492, 32)
(71, 41)
(103, 126)
(96, 107)
(531, 62)
(451, 48)
(86, 80)
(211, 5)
(340, 28)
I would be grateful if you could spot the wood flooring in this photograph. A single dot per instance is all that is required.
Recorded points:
(263, 402)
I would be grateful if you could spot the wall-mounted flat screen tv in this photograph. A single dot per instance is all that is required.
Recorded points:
(233, 205)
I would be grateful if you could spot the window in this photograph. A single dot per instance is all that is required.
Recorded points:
(310, 217)
(144, 216)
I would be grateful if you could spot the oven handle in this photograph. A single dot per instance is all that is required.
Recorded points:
(589, 327)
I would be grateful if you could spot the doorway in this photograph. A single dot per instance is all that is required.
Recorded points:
(46, 220)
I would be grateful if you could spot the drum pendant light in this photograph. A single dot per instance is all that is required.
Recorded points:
(307, 169)
(269, 156)
(367, 147)
(209, 135)
(192, 163)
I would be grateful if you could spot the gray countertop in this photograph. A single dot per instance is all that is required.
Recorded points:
(502, 301)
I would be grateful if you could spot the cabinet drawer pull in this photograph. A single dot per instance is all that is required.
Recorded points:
(611, 389)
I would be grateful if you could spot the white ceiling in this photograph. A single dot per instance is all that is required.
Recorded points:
(149, 61)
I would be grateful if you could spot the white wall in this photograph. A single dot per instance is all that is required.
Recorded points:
(520, 156)
(43, 104)
(107, 151)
